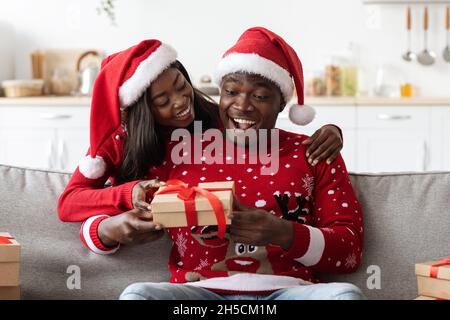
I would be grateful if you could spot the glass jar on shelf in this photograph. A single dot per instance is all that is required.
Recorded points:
(333, 78)
(349, 79)
(315, 83)
(388, 81)
(342, 73)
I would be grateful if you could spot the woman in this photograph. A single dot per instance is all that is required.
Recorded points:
(140, 96)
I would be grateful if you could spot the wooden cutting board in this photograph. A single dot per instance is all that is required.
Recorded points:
(59, 70)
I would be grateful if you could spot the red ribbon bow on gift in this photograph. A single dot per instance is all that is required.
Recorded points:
(188, 194)
(5, 240)
(435, 267)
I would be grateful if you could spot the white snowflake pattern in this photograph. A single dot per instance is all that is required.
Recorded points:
(350, 261)
(181, 244)
(308, 184)
(203, 264)
(260, 203)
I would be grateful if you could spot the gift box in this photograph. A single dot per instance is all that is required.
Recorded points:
(209, 203)
(10, 293)
(433, 278)
(9, 260)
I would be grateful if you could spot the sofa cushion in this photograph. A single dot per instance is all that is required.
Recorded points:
(406, 220)
(50, 247)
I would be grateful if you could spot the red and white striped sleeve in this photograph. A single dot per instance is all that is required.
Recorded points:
(334, 241)
(89, 236)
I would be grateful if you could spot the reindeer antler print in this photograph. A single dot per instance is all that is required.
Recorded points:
(299, 213)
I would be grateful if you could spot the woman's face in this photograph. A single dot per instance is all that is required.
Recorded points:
(172, 99)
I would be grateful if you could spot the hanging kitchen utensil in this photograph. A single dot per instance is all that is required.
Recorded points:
(446, 53)
(426, 57)
(88, 74)
(409, 55)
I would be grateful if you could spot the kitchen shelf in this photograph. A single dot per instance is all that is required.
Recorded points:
(405, 2)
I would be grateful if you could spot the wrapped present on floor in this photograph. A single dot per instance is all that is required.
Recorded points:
(179, 205)
(433, 278)
(9, 260)
(10, 293)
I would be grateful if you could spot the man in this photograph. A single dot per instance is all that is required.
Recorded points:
(287, 224)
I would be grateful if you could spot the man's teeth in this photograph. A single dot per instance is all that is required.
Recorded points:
(244, 121)
(183, 113)
(243, 262)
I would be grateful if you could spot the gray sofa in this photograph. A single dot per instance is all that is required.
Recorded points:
(406, 216)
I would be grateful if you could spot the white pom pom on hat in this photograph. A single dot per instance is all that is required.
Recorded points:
(92, 168)
(260, 51)
(301, 115)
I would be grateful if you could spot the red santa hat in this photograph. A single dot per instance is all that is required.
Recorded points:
(260, 51)
(123, 79)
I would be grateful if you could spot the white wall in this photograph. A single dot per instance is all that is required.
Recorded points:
(202, 29)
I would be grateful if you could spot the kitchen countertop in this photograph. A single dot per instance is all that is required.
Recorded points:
(375, 101)
(314, 101)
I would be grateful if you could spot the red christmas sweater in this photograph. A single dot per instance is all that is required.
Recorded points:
(319, 201)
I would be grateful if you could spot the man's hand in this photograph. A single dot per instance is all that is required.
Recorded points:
(139, 193)
(131, 227)
(259, 227)
(325, 143)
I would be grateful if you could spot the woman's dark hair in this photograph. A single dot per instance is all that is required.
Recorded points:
(145, 143)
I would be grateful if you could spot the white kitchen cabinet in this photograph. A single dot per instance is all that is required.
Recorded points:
(54, 134)
(440, 138)
(342, 116)
(27, 146)
(392, 139)
(44, 137)
(72, 144)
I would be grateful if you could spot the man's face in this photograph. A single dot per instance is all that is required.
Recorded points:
(249, 101)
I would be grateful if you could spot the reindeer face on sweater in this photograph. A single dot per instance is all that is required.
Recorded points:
(207, 236)
(244, 258)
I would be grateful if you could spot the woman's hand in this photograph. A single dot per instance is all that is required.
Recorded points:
(325, 143)
(131, 227)
(258, 227)
(139, 193)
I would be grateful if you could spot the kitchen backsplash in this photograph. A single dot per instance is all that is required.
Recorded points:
(202, 30)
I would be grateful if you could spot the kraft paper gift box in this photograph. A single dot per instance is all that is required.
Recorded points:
(9, 260)
(169, 210)
(433, 278)
(10, 293)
